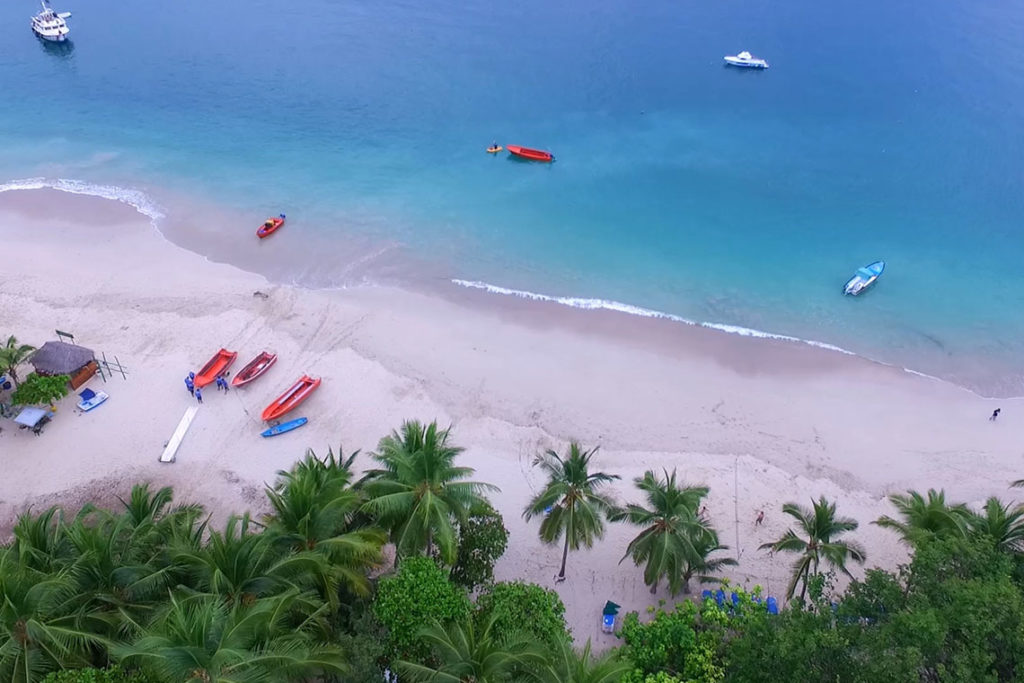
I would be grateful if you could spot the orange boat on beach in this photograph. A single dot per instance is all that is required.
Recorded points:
(531, 154)
(254, 369)
(215, 367)
(290, 399)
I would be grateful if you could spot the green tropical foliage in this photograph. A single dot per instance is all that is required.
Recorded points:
(114, 674)
(676, 542)
(39, 389)
(818, 540)
(463, 651)
(1003, 524)
(418, 593)
(12, 355)
(515, 609)
(572, 503)
(418, 493)
(569, 665)
(482, 541)
(923, 516)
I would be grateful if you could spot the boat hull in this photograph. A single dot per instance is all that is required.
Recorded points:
(254, 369)
(530, 154)
(283, 428)
(267, 230)
(291, 398)
(746, 65)
(215, 367)
(863, 279)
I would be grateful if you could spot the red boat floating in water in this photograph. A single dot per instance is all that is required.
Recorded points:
(254, 369)
(290, 399)
(270, 226)
(215, 367)
(531, 154)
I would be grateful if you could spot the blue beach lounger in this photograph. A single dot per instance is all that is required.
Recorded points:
(608, 617)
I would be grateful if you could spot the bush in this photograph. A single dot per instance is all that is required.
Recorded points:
(482, 541)
(519, 607)
(38, 389)
(410, 600)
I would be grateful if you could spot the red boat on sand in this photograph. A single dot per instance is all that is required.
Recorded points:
(290, 399)
(270, 226)
(531, 154)
(254, 369)
(215, 367)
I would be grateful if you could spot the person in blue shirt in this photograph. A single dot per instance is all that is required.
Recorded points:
(199, 395)
(190, 385)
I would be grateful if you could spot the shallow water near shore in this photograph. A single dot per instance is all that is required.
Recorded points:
(680, 187)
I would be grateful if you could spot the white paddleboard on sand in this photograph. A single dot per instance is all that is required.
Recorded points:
(179, 433)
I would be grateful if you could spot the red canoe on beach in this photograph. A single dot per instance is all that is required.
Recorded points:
(216, 366)
(290, 399)
(254, 369)
(269, 226)
(531, 154)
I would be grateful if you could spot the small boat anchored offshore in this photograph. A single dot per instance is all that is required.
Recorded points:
(50, 25)
(530, 154)
(747, 60)
(863, 278)
(270, 226)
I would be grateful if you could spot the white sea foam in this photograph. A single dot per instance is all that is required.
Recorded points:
(137, 199)
(606, 305)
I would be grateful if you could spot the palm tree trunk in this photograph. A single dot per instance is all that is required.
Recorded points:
(565, 554)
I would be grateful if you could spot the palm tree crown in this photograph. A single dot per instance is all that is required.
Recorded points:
(925, 516)
(820, 528)
(418, 492)
(1002, 523)
(13, 354)
(571, 500)
(673, 533)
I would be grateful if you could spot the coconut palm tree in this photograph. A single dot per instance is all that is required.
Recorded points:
(204, 638)
(819, 540)
(925, 516)
(13, 354)
(43, 624)
(464, 652)
(568, 665)
(702, 566)
(672, 529)
(571, 501)
(418, 493)
(1003, 524)
(242, 566)
(314, 508)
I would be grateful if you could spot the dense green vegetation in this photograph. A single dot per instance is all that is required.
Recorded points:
(155, 592)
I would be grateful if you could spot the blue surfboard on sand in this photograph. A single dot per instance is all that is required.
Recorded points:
(284, 427)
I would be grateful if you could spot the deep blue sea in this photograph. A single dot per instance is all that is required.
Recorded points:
(883, 130)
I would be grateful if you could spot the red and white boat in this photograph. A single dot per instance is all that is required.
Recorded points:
(215, 367)
(254, 369)
(531, 154)
(291, 399)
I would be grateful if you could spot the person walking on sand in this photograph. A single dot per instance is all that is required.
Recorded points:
(199, 396)
(760, 518)
(995, 414)
(190, 386)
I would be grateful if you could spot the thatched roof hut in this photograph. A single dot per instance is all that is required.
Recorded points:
(60, 358)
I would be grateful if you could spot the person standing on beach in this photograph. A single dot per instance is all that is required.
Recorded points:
(995, 414)
(199, 396)
(760, 518)
(190, 386)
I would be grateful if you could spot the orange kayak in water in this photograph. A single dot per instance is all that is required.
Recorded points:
(270, 226)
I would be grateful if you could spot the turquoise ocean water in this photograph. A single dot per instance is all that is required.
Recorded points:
(883, 130)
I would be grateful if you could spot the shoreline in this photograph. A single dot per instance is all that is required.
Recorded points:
(762, 422)
(184, 232)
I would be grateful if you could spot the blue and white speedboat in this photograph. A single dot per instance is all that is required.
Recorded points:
(747, 60)
(864, 278)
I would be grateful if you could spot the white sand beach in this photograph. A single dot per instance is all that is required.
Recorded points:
(761, 422)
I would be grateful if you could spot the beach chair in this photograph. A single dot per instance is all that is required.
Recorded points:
(735, 599)
(706, 594)
(608, 615)
(720, 597)
(87, 395)
(38, 429)
(773, 606)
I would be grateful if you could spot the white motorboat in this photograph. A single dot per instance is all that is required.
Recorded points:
(863, 278)
(50, 25)
(747, 60)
